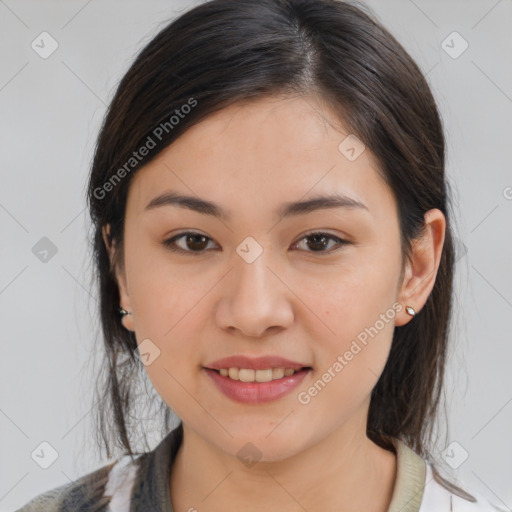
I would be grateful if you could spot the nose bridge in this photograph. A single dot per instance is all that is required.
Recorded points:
(256, 298)
(251, 268)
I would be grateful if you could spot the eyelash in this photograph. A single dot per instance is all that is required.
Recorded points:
(170, 244)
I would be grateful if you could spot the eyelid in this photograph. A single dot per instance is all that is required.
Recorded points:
(341, 242)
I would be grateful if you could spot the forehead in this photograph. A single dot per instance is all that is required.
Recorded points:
(263, 152)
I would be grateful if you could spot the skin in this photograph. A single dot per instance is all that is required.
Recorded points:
(292, 301)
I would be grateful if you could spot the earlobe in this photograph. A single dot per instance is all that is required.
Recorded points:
(127, 319)
(405, 300)
(421, 271)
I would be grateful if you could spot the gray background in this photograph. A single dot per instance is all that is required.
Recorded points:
(51, 110)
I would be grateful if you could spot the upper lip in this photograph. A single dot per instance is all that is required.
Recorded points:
(255, 363)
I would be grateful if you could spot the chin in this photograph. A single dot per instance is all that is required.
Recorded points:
(252, 451)
(262, 445)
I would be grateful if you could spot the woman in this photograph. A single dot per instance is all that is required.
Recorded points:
(272, 222)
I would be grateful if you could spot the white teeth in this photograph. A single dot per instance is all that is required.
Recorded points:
(246, 375)
(277, 373)
(249, 375)
(263, 375)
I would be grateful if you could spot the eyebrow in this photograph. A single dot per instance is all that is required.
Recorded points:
(288, 209)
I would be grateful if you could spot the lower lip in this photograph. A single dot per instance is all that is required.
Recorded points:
(256, 392)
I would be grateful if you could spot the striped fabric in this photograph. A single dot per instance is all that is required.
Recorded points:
(120, 485)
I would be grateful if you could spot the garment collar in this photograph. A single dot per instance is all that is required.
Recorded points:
(151, 490)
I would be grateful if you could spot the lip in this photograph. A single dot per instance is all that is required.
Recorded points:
(255, 363)
(256, 392)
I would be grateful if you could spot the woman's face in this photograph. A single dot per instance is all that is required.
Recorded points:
(259, 284)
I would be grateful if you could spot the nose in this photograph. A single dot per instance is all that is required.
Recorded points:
(256, 298)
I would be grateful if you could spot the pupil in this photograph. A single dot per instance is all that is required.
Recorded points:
(194, 238)
(317, 237)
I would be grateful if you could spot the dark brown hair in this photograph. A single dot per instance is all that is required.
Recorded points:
(226, 51)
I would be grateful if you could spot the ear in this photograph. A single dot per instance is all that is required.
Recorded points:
(120, 276)
(421, 270)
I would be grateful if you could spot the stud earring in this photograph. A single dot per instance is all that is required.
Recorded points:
(124, 312)
(410, 310)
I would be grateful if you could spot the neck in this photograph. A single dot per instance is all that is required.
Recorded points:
(343, 471)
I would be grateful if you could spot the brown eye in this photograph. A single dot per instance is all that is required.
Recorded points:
(192, 243)
(319, 242)
(196, 243)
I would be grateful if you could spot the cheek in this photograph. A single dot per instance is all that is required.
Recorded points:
(163, 295)
(166, 303)
(356, 306)
(349, 299)
(167, 313)
(170, 315)
(350, 363)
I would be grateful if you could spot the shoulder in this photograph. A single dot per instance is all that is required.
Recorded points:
(439, 495)
(85, 494)
(130, 481)
(50, 501)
